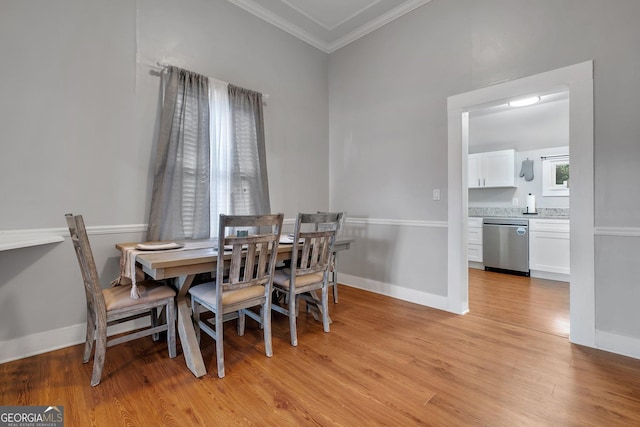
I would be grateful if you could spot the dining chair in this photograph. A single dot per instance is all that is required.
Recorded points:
(244, 279)
(333, 264)
(114, 305)
(313, 241)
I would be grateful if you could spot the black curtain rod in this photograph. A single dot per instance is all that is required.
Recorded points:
(553, 157)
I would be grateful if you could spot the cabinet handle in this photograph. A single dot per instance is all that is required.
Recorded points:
(484, 182)
(478, 182)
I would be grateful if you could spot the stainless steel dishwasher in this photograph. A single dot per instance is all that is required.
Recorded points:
(505, 245)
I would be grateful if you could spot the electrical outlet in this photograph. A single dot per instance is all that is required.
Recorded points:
(515, 201)
(436, 194)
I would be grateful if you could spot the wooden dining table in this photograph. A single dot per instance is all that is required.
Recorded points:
(182, 265)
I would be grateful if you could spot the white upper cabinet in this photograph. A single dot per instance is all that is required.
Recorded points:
(492, 169)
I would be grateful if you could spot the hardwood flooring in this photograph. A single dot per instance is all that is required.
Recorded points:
(385, 362)
(537, 304)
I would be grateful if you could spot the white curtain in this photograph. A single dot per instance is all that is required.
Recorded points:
(221, 164)
(239, 184)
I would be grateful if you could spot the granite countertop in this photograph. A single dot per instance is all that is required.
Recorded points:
(543, 213)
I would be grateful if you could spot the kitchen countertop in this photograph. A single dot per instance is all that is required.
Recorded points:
(543, 213)
(565, 218)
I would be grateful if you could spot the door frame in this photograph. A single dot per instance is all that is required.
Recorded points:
(578, 81)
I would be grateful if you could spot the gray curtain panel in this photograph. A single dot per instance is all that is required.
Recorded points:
(181, 188)
(249, 183)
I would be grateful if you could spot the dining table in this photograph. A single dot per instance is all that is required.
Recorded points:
(181, 265)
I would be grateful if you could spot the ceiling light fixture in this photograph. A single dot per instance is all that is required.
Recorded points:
(524, 102)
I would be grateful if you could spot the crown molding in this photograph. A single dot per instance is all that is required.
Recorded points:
(268, 16)
(323, 25)
(273, 19)
(373, 25)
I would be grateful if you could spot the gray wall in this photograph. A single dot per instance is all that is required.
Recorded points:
(388, 137)
(388, 124)
(78, 114)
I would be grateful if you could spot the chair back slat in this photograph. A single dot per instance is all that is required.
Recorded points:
(253, 257)
(312, 248)
(84, 254)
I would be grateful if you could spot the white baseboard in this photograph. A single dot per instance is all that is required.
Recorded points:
(44, 342)
(534, 273)
(476, 265)
(619, 344)
(559, 277)
(394, 291)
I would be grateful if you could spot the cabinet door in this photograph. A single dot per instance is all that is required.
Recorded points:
(474, 253)
(549, 251)
(474, 170)
(474, 239)
(500, 169)
(491, 169)
(474, 236)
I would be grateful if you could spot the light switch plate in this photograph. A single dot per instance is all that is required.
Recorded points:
(515, 201)
(436, 194)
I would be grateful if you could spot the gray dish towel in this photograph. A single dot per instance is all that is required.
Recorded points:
(527, 170)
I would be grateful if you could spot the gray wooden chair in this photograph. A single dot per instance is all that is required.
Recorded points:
(312, 251)
(114, 305)
(244, 279)
(333, 265)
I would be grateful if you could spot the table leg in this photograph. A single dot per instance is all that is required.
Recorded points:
(316, 306)
(188, 340)
(334, 277)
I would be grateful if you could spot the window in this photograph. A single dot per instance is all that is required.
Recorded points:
(238, 174)
(555, 176)
(210, 156)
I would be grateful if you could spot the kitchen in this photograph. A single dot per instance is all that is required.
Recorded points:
(518, 180)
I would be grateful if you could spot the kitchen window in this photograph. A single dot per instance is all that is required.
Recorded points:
(555, 176)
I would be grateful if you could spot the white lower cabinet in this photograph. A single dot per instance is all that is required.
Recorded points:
(549, 246)
(474, 239)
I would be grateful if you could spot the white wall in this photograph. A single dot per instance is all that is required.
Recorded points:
(78, 115)
(388, 119)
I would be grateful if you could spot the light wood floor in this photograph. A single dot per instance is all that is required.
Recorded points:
(385, 362)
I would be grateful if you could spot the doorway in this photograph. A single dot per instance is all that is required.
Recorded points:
(578, 81)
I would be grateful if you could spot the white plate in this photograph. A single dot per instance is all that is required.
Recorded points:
(288, 239)
(159, 246)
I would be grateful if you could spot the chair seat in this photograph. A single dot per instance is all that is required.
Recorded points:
(118, 297)
(206, 293)
(283, 276)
